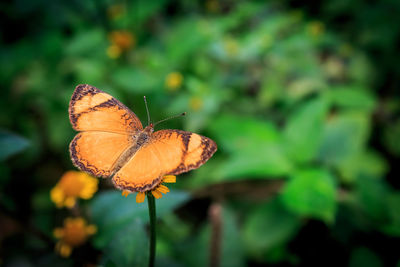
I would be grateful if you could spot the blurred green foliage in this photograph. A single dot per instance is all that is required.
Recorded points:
(307, 131)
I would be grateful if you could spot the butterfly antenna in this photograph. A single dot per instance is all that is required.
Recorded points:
(172, 117)
(147, 110)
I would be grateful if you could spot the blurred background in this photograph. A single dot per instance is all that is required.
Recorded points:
(301, 98)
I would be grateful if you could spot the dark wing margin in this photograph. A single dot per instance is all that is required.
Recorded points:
(91, 109)
(195, 150)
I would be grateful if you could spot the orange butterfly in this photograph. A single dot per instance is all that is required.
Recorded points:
(112, 142)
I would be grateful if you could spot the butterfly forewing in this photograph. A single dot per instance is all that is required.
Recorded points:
(91, 109)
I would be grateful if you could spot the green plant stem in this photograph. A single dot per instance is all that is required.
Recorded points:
(152, 215)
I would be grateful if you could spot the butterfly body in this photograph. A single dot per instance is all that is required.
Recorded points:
(145, 135)
(112, 143)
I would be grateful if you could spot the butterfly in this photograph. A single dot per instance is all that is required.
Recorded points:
(112, 143)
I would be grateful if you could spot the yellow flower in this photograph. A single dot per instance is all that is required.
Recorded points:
(334, 67)
(231, 46)
(114, 51)
(173, 81)
(74, 233)
(73, 185)
(196, 103)
(120, 41)
(316, 28)
(156, 192)
(123, 39)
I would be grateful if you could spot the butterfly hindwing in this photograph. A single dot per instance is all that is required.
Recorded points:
(98, 152)
(141, 172)
(167, 152)
(91, 109)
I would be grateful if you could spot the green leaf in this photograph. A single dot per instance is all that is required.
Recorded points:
(366, 164)
(265, 162)
(391, 137)
(129, 246)
(146, 10)
(254, 145)
(86, 42)
(360, 69)
(371, 198)
(364, 257)
(232, 248)
(59, 129)
(352, 97)
(392, 206)
(91, 71)
(135, 80)
(11, 144)
(189, 30)
(302, 87)
(270, 88)
(268, 226)
(303, 131)
(311, 193)
(344, 137)
(235, 133)
(111, 212)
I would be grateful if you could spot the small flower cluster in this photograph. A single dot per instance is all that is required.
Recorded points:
(316, 28)
(74, 185)
(75, 231)
(156, 192)
(71, 186)
(173, 81)
(120, 41)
